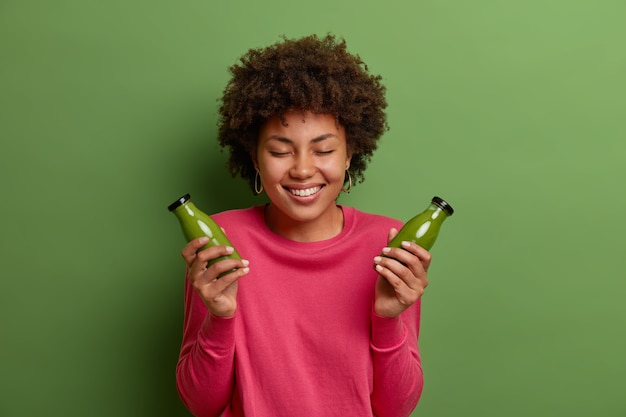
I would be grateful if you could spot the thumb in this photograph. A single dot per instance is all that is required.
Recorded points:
(392, 233)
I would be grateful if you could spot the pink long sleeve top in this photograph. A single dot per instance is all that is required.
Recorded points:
(305, 340)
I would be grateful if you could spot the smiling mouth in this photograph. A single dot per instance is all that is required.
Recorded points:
(305, 192)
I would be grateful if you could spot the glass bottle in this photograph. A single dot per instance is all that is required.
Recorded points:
(195, 223)
(424, 228)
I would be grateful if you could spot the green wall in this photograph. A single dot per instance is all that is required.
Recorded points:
(514, 111)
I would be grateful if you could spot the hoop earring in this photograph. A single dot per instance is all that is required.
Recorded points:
(344, 189)
(257, 180)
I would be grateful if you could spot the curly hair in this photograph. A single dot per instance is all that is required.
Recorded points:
(310, 73)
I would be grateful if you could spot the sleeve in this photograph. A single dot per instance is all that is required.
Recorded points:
(397, 367)
(205, 371)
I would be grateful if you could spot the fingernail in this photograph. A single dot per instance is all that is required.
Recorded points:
(379, 268)
(245, 262)
(378, 259)
(406, 244)
(245, 270)
(230, 249)
(204, 240)
(386, 250)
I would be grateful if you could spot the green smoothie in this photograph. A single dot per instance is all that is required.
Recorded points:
(423, 229)
(195, 223)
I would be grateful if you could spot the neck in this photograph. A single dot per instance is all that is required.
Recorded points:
(322, 228)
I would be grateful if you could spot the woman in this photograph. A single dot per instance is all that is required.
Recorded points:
(314, 322)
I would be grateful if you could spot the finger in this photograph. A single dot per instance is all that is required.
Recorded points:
(190, 249)
(407, 266)
(218, 294)
(407, 252)
(225, 266)
(202, 258)
(407, 291)
(232, 270)
(208, 258)
(396, 272)
(213, 252)
(232, 273)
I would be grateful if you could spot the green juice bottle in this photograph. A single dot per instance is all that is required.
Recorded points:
(424, 228)
(195, 223)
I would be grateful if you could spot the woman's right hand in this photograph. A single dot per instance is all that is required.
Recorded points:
(219, 295)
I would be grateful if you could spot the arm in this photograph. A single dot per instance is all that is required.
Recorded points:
(205, 372)
(398, 377)
(205, 369)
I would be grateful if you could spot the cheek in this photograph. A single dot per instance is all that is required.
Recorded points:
(269, 177)
(335, 172)
(272, 172)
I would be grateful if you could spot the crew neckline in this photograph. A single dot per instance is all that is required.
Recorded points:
(348, 224)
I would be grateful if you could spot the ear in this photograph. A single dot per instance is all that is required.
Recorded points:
(348, 160)
(255, 162)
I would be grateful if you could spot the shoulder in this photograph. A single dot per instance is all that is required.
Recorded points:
(364, 220)
(240, 224)
(245, 216)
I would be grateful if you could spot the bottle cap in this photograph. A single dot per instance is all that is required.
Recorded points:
(443, 205)
(179, 202)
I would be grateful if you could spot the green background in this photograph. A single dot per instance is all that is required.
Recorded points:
(512, 110)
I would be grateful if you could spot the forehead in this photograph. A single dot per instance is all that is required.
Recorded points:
(299, 125)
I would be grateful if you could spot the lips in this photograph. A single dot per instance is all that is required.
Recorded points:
(304, 192)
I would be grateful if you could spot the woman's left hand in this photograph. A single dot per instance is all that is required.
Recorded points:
(402, 277)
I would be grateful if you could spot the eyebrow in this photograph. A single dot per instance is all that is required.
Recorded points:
(314, 140)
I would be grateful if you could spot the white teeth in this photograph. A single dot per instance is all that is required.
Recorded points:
(306, 192)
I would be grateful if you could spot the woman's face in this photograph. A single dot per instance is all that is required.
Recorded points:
(302, 166)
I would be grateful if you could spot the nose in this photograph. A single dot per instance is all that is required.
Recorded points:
(303, 166)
